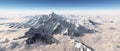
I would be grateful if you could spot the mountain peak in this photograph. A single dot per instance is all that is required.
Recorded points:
(52, 14)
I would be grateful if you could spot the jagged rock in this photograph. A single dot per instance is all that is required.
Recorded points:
(80, 46)
(94, 23)
(47, 39)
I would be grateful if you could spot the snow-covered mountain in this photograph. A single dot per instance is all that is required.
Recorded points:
(51, 24)
(59, 33)
(43, 27)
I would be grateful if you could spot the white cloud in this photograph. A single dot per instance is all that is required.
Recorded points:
(19, 13)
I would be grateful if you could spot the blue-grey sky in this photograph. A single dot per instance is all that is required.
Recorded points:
(59, 4)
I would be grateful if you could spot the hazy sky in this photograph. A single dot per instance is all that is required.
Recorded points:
(59, 5)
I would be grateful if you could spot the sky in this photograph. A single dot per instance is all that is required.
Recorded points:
(59, 5)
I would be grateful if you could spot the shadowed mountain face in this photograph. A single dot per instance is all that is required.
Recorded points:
(45, 27)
